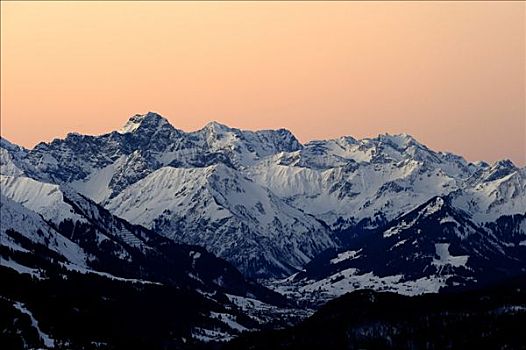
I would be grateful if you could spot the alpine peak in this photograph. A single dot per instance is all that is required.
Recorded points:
(400, 140)
(150, 119)
(213, 125)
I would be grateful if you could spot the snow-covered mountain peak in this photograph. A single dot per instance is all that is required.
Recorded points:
(218, 136)
(504, 164)
(481, 164)
(401, 141)
(215, 126)
(148, 120)
(383, 149)
(242, 147)
(499, 170)
(10, 158)
(348, 140)
(11, 147)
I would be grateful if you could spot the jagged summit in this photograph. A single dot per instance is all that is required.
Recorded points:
(505, 163)
(276, 136)
(499, 169)
(150, 119)
(215, 136)
(8, 145)
(401, 140)
(216, 126)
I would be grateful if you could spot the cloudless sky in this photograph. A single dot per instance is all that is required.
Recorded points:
(452, 74)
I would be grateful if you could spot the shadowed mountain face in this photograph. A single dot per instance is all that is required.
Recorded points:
(262, 200)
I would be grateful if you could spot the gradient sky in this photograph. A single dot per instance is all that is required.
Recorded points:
(451, 74)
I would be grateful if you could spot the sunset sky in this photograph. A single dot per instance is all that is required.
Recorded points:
(451, 74)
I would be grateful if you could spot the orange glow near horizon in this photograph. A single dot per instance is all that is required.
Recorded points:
(452, 74)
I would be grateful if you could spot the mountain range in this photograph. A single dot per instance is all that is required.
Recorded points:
(253, 223)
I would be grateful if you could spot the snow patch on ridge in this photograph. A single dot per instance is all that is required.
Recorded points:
(445, 258)
(348, 255)
(351, 279)
(20, 268)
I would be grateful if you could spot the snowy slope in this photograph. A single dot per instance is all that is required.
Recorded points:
(12, 159)
(228, 214)
(18, 221)
(497, 194)
(44, 198)
(91, 239)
